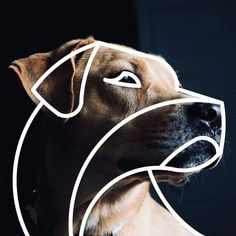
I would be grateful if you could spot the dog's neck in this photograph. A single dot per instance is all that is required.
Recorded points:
(66, 152)
(113, 212)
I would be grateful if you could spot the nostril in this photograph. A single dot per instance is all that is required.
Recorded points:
(210, 114)
(207, 113)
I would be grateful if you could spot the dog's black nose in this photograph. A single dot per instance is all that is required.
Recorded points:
(206, 113)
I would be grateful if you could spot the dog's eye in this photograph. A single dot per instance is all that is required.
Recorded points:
(125, 79)
(128, 79)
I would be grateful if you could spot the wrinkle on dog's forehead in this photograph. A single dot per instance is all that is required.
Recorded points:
(109, 60)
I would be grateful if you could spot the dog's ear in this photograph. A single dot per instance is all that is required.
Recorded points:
(57, 89)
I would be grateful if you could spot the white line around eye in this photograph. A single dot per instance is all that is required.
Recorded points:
(116, 80)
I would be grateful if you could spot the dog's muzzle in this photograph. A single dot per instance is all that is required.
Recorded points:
(206, 119)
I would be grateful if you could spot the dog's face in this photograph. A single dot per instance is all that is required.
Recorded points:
(151, 137)
(144, 141)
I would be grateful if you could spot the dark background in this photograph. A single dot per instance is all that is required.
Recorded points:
(196, 37)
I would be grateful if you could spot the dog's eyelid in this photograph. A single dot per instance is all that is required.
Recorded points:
(118, 72)
(135, 72)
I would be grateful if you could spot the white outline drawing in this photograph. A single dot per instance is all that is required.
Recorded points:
(116, 81)
(196, 98)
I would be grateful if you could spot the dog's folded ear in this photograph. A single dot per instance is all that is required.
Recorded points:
(57, 89)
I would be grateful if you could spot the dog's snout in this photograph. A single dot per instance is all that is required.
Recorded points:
(206, 113)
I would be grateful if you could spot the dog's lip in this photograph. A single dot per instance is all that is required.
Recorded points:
(176, 179)
(173, 178)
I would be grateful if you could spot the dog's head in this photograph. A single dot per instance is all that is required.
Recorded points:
(116, 83)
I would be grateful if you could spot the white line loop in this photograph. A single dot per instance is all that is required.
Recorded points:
(196, 98)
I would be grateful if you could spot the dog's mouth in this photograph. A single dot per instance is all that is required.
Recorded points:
(194, 155)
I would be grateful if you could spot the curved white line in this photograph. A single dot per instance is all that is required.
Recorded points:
(116, 81)
(161, 167)
(187, 144)
(15, 168)
(96, 45)
(169, 207)
(83, 83)
(118, 126)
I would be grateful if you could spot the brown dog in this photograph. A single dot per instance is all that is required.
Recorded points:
(127, 208)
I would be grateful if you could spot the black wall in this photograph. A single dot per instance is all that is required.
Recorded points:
(39, 26)
(196, 37)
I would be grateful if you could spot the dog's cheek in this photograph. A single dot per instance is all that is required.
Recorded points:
(178, 129)
(115, 103)
(171, 128)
